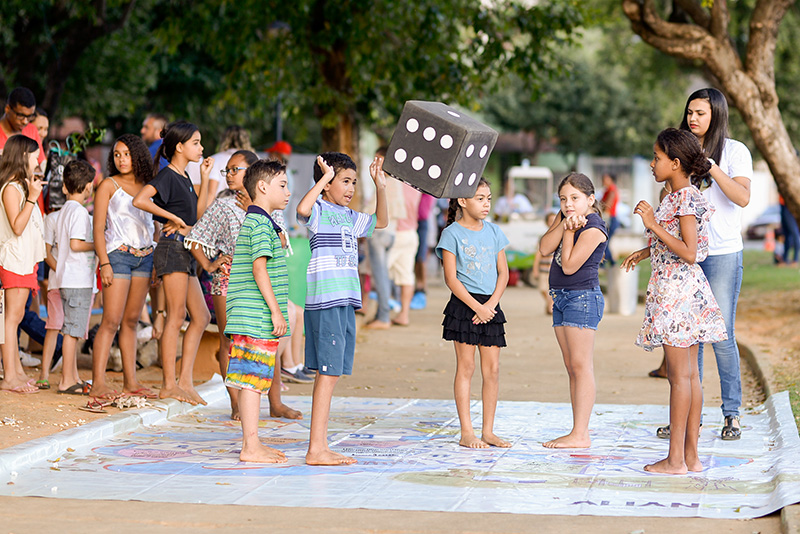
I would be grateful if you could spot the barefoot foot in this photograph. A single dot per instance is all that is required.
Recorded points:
(102, 392)
(176, 393)
(568, 442)
(494, 441)
(235, 413)
(328, 457)
(263, 455)
(193, 395)
(694, 465)
(472, 442)
(281, 410)
(666, 467)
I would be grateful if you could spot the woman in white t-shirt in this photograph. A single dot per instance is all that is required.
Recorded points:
(706, 116)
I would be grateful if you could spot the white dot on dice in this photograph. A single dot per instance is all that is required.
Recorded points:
(417, 163)
(435, 171)
(472, 178)
(453, 113)
(459, 177)
(412, 125)
(446, 141)
(429, 133)
(400, 155)
(470, 150)
(484, 150)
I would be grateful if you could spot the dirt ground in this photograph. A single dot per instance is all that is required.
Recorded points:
(407, 362)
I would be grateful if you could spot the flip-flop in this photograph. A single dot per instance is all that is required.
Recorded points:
(145, 392)
(20, 391)
(75, 389)
(95, 406)
(42, 384)
(656, 373)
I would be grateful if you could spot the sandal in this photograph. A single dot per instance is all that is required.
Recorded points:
(43, 384)
(656, 373)
(75, 389)
(730, 432)
(663, 431)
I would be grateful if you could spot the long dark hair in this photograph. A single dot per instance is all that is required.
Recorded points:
(14, 161)
(141, 166)
(582, 183)
(685, 147)
(714, 139)
(454, 207)
(174, 133)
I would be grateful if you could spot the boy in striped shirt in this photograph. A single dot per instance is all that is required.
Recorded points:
(334, 292)
(257, 303)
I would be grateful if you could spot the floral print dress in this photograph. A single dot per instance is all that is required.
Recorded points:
(680, 309)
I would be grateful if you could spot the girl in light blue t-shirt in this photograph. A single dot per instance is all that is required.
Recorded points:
(476, 271)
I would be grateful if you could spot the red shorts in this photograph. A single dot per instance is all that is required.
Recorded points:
(11, 280)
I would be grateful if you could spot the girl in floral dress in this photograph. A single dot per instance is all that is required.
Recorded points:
(680, 310)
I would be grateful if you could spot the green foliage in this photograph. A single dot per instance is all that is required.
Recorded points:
(79, 142)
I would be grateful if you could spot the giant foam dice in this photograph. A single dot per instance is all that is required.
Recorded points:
(439, 149)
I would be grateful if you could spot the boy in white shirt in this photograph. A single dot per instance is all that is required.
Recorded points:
(75, 267)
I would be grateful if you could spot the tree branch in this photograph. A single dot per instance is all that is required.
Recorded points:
(696, 11)
(720, 19)
(687, 41)
(760, 55)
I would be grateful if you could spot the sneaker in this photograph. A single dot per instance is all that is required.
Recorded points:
(298, 377)
(395, 306)
(309, 372)
(28, 360)
(419, 301)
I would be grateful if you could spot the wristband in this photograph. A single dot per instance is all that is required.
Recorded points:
(104, 264)
(712, 162)
(31, 201)
(161, 312)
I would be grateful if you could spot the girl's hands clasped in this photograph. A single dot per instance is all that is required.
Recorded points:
(573, 223)
(484, 314)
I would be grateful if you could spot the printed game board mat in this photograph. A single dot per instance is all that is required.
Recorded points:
(409, 459)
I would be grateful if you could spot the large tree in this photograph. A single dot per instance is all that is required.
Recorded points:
(42, 41)
(691, 30)
(355, 62)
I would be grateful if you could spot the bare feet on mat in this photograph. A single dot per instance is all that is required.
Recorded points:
(568, 442)
(473, 442)
(176, 393)
(665, 467)
(281, 410)
(263, 455)
(494, 441)
(328, 457)
(378, 325)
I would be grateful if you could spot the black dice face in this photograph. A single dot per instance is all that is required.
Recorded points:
(439, 150)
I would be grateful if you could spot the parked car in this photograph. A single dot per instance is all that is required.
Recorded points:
(770, 219)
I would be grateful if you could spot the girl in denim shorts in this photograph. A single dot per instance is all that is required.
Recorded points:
(577, 238)
(123, 237)
(171, 198)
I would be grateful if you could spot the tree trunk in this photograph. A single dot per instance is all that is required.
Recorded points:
(749, 84)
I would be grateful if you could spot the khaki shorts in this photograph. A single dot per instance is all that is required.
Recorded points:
(401, 257)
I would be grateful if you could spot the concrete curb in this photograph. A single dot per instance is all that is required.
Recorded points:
(51, 447)
(762, 368)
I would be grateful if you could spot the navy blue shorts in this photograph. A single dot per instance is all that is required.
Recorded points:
(331, 340)
(582, 308)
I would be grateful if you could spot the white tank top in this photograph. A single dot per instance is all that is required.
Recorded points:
(126, 225)
(20, 253)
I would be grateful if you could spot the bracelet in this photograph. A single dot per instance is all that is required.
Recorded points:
(712, 162)
(31, 201)
(161, 312)
(104, 264)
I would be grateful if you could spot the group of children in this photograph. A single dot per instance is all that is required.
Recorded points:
(239, 241)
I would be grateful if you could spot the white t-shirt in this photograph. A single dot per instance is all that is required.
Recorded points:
(50, 230)
(725, 227)
(74, 269)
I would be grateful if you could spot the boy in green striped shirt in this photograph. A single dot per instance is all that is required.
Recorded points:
(257, 303)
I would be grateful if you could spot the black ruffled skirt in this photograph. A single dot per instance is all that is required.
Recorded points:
(458, 324)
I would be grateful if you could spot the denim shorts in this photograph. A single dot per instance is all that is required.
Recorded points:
(331, 340)
(172, 257)
(582, 308)
(126, 264)
(77, 305)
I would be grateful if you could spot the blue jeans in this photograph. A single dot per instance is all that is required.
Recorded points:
(33, 325)
(724, 273)
(379, 245)
(791, 236)
(613, 224)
